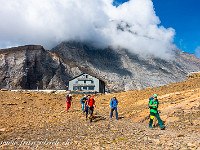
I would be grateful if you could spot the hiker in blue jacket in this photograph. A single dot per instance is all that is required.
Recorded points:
(83, 99)
(113, 105)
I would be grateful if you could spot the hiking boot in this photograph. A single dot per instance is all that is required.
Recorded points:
(163, 128)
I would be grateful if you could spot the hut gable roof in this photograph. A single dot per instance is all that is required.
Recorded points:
(87, 74)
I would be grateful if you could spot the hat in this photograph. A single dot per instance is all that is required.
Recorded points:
(154, 95)
(70, 95)
(114, 96)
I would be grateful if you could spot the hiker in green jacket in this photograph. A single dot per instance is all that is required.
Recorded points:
(153, 104)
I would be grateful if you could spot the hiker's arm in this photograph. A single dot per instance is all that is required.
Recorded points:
(116, 102)
(152, 105)
(111, 103)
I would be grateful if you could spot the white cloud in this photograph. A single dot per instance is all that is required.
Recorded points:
(197, 52)
(49, 22)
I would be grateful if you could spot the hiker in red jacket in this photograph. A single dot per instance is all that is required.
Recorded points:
(91, 105)
(68, 101)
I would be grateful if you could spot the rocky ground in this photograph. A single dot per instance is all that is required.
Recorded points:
(36, 120)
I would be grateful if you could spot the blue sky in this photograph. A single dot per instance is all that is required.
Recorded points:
(181, 15)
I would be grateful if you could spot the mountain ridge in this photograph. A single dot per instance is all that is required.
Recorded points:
(123, 64)
(119, 68)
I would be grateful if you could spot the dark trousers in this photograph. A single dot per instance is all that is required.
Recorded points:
(152, 115)
(91, 110)
(114, 109)
(86, 111)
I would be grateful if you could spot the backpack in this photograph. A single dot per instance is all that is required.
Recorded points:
(68, 99)
(89, 101)
(112, 100)
(83, 100)
(151, 98)
(111, 103)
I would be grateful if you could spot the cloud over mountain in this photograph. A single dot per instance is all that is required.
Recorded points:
(132, 25)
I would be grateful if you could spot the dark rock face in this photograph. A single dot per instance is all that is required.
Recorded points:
(32, 67)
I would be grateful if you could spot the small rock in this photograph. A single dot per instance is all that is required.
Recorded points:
(2, 146)
(180, 135)
(177, 93)
(191, 145)
(21, 107)
(170, 144)
(157, 141)
(3, 129)
(11, 104)
(196, 122)
(172, 119)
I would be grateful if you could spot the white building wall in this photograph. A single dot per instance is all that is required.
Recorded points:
(71, 84)
(88, 82)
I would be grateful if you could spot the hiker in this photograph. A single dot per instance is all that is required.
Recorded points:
(86, 107)
(68, 101)
(91, 105)
(155, 120)
(113, 105)
(153, 104)
(83, 99)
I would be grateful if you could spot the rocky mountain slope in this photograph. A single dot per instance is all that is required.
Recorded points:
(32, 67)
(39, 120)
(125, 71)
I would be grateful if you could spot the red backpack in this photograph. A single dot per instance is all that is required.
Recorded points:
(91, 102)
